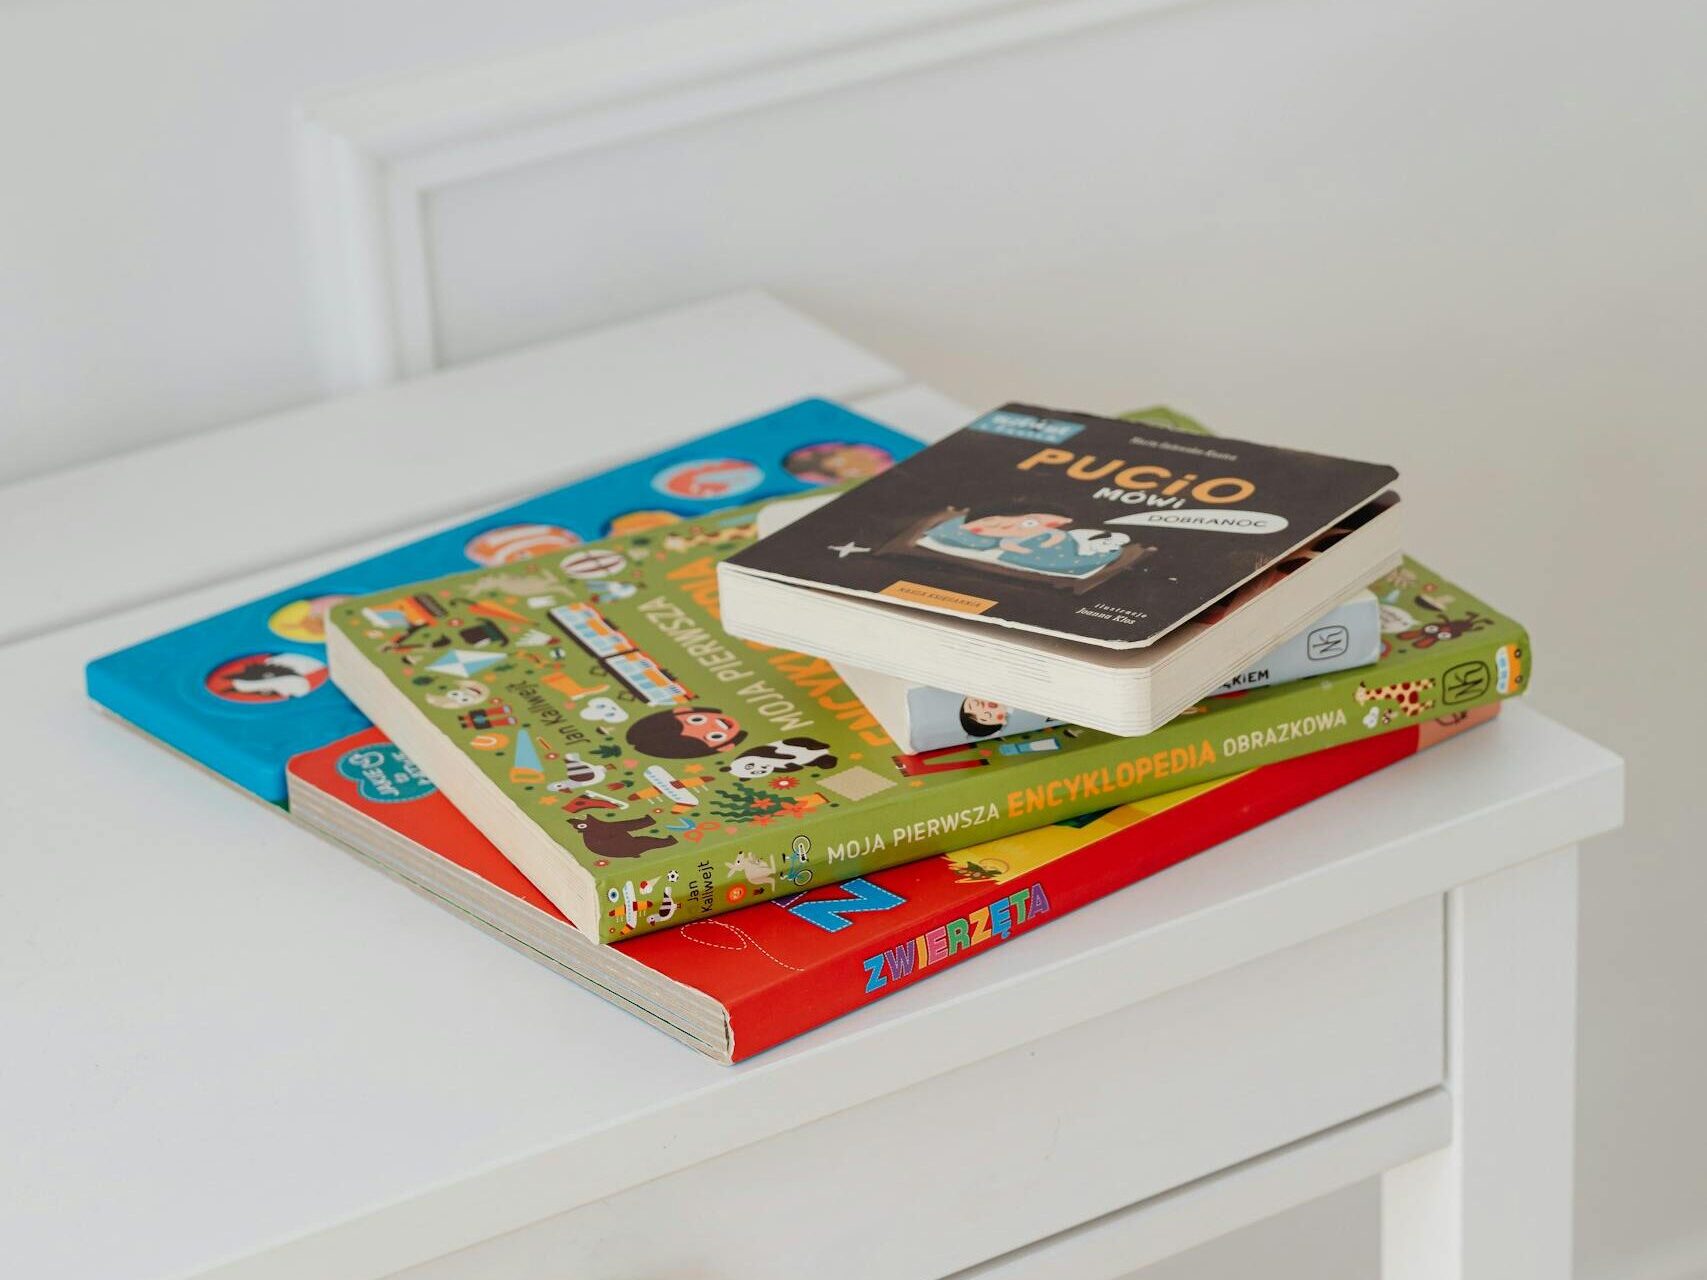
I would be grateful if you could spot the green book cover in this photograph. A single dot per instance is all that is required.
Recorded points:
(687, 773)
(1159, 415)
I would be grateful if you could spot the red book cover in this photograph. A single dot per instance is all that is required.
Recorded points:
(782, 967)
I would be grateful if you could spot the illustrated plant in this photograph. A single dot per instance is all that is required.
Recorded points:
(739, 801)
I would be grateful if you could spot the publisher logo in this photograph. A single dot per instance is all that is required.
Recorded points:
(936, 597)
(384, 775)
(1464, 682)
(1022, 426)
(1324, 644)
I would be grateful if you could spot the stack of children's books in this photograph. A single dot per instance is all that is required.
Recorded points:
(748, 734)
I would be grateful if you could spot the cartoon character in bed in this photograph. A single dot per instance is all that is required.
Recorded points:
(1034, 541)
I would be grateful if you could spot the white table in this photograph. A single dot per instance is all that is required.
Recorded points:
(228, 1049)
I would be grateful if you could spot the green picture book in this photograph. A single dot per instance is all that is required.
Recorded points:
(644, 769)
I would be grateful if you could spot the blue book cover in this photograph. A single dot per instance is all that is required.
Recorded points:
(245, 690)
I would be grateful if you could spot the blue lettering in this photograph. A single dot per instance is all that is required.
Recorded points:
(829, 914)
(874, 974)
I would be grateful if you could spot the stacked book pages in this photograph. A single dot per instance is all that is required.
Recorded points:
(749, 734)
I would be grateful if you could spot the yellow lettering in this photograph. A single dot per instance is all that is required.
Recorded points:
(1128, 479)
(1239, 490)
(1081, 470)
(1046, 458)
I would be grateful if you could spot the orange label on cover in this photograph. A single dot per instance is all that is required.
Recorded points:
(936, 597)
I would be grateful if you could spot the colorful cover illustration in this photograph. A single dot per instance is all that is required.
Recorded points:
(810, 955)
(598, 698)
(1096, 529)
(243, 691)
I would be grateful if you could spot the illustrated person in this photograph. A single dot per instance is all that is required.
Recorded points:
(1023, 534)
(682, 733)
(1000, 533)
(980, 717)
(1034, 540)
(787, 755)
(836, 460)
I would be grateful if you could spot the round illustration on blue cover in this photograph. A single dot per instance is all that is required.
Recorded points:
(834, 461)
(266, 677)
(640, 521)
(303, 620)
(512, 542)
(709, 479)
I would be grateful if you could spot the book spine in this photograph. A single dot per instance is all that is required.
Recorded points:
(900, 825)
(1347, 637)
(879, 962)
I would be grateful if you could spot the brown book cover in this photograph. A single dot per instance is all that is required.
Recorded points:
(1098, 530)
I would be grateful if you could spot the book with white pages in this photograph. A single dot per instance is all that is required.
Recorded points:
(931, 628)
(922, 718)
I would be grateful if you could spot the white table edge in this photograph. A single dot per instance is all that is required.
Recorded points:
(1584, 801)
(1206, 1208)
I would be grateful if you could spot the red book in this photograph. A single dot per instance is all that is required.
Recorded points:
(736, 984)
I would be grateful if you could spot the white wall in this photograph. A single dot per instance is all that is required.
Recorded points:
(151, 278)
(1466, 237)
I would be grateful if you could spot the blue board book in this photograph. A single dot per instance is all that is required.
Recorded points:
(245, 690)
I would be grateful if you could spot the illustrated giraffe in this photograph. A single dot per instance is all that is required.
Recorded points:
(1405, 695)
